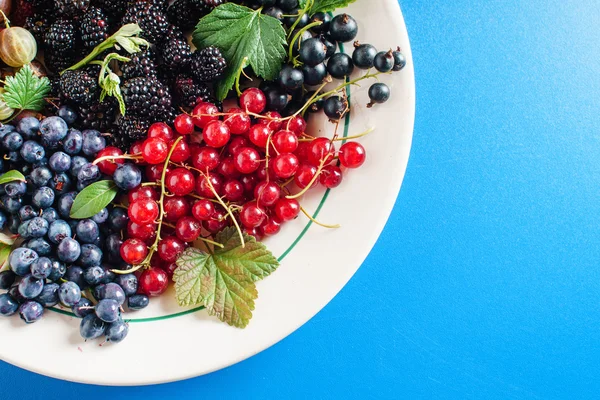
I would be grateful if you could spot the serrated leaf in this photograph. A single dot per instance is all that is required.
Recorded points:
(91, 200)
(329, 5)
(25, 90)
(225, 280)
(11, 176)
(243, 35)
(302, 4)
(4, 253)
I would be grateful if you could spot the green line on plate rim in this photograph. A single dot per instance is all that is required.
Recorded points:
(285, 253)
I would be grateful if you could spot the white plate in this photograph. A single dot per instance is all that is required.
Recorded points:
(317, 264)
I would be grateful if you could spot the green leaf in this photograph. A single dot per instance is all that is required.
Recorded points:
(91, 200)
(4, 253)
(11, 176)
(243, 35)
(26, 91)
(329, 5)
(302, 4)
(224, 281)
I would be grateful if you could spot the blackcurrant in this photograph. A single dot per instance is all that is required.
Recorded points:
(384, 61)
(378, 93)
(265, 3)
(335, 107)
(290, 78)
(325, 20)
(287, 5)
(301, 39)
(312, 52)
(291, 20)
(317, 105)
(340, 65)
(274, 12)
(364, 56)
(343, 28)
(330, 44)
(277, 99)
(314, 75)
(399, 60)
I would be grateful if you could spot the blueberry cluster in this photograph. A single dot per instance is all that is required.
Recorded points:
(60, 258)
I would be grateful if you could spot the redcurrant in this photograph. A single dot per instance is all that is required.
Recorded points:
(180, 182)
(170, 248)
(253, 100)
(321, 149)
(204, 113)
(188, 229)
(238, 121)
(233, 190)
(251, 215)
(142, 192)
(184, 124)
(109, 167)
(267, 193)
(181, 152)
(352, 155)
(204, 189)
(247, 160)
(160, 130)
(154, 150)
(133, 251)
(285, 165)
(153, 282)
(147, 232)
(259, 135)
(176, 207)
(216, 134)
(331, 176)
(305, 175)
(285, 141)
(203, 210)
(206, 159)
(287, 209)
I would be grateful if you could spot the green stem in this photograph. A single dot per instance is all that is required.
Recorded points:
(297, 35)
(305, 10)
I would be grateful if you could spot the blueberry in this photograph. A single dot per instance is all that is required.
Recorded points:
(90, 255)
(49, 295)
(312, 52)
(20, 260)
(340, 65)
(13, 224)
(59, 230)
(343, 28)
(31, 311)
(41, 176)
(50, 214)
(23, 229)
(314, 75)
(110, 291)
(129, 283)
(127, 176)
(91, 327)
(88, 173)
(73, 142)
(27, 212)
(68, 250)
(15, 189)
(7, 278)
(12, 142)
(378, 93)
(277, 99)
(40, 246)
(32, 152)
(117, 331)
(87, 231)
(109, 276)
(75, 274)
(3, 220)
(335, 107)
(60, 162)
(384, 61)
(108, 310)
(290, 78)
(8, 305)
(93, 142)
(28, 127)
(69, 294)
(83, 307)
(68, 114)
(41, 268)
(14, 293)
(399, 60)
(37, 227)
(61, 183)
(138, 301)
(5, 130)
(94, 275)
(325, 20)
(43, 197)
(118, 219)
(364, 56)
(53, 130)
(58, 270)
(30, 287)
(64, 204)
(12, 156)
(77, 163)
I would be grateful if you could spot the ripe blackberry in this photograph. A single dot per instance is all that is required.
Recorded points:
(151, 19)
(56, 62)
(71, 8)
(176, 52)
(206, 6)
(146, 97)
(93, 28)
(187, 92)
(129, 129)
(99, 116)
(208, 64)
(184, 14)
(79, 87)
(141, 64)
(114, 8)
(61, 36)
(38, 25)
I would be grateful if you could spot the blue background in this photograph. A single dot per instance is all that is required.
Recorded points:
(486, 280)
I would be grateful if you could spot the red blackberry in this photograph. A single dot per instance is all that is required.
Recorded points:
(151, 19)
(184, 14)
(38, 25)
(61, 36)
(146, 97)
(175, 52)
(187, 92)
(208, 64)
(93, 28)
(71, 8)
(129, 129)
(141, 64)
(79, 87)
(99, 116)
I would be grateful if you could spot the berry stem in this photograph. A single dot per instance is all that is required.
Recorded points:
(308, 138)
(312, 181)
(6, 21)
(295, 38)
(112, 158)
(305, 10)
(317, 222)
(239, 75)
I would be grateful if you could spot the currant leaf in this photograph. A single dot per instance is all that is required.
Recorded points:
(329, 5)
(25, 90)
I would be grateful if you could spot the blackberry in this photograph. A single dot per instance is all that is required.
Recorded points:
(208, 64)
(176, 52)
(79, 87)
(38, 25)
(161, 4)
(129, 129)
(184, 14)
(22, 10)
(71, 8)
(61, 36)
(141, 64)
(93, 28)
(147, 97)
(187, 92)
(206, 6)
(100, 115)
(151, 19)
(57, 62)
(114, 8)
